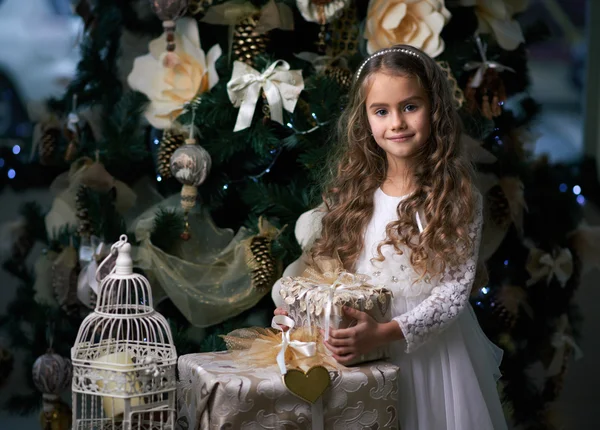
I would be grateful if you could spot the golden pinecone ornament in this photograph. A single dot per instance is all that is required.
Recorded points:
(85, 225)
(48, 142)
(170, 142)
(247, 43)
(264, 268)
(499, 207)
(510, 299)
(341, 75)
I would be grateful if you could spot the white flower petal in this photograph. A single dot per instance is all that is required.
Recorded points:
(508, 34)
(394, 17)
(188, 28)
(213, 55)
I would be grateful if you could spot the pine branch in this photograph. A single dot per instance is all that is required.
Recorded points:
(25, 404)
(166, 230)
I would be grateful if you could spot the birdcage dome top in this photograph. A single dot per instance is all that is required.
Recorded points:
(123, 292)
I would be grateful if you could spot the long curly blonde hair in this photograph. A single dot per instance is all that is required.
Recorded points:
(442, 174)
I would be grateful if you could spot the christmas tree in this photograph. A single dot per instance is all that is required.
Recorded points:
(231, 104)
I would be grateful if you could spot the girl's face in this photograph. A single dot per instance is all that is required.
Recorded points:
(398, 112)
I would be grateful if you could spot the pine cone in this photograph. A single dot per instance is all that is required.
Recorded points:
(509, 301)
(341, 75)
(264, 268)
(85, 225)
(170, 141)
(48, 143)
(264, 272)
(498, 206)
(247, 44)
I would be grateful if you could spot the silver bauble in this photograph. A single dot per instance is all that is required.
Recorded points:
(52, 373)
(169, 10)
(190, 164)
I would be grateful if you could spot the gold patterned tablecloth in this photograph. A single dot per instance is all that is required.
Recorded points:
(216, 392)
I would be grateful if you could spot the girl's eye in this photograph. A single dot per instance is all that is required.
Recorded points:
(410, 108)
(380, 112)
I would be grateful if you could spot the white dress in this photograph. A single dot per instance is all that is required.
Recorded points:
(448, 367)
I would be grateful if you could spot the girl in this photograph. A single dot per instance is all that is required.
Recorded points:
(401, 207)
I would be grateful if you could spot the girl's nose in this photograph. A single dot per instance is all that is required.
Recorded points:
(398, 122)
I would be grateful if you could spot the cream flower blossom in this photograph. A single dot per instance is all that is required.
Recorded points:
(411, 22)
(169, 88)
(496, 17)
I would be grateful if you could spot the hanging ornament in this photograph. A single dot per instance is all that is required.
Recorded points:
(52, 375)
(485, 89)
(59, 418)
(247, 42)
(6, 365)
(168, 11)
(459, 95)
(170, 142)
(322, 12)
(71, 131)
(259, 257)
(499, 209)
(190, 165)
(65, 271)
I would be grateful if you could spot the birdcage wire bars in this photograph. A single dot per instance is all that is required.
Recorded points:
(124, 359)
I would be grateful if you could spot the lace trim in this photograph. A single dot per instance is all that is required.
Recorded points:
(448, 299)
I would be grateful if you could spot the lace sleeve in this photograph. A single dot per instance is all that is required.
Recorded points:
(447, 300)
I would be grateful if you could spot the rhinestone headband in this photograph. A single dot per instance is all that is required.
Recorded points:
(385, 51)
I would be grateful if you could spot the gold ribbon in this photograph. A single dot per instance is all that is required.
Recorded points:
(483, 65)
(263, 347)
(541, 265)
(281, 86)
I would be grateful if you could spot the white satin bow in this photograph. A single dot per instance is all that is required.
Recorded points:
(281, 85)
(483, 65)
(306, 349)
(541, 264)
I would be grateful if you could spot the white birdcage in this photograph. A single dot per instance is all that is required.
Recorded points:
(124, 359)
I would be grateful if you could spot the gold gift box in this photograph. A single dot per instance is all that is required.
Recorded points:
(216, 391)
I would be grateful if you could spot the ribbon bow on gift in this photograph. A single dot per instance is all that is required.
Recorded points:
(540, 264)
(281, 85)
(560, 340)
(302, 349)
(483, 65)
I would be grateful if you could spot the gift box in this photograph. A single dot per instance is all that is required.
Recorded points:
(317, 297)
(218, 391)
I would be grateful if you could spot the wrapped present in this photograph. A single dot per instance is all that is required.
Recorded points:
(220, 391)
(317, 297)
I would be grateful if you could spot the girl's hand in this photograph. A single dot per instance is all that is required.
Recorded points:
(281, 311)
(349, 343)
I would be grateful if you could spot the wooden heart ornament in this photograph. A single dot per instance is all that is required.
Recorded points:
(308, 386)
